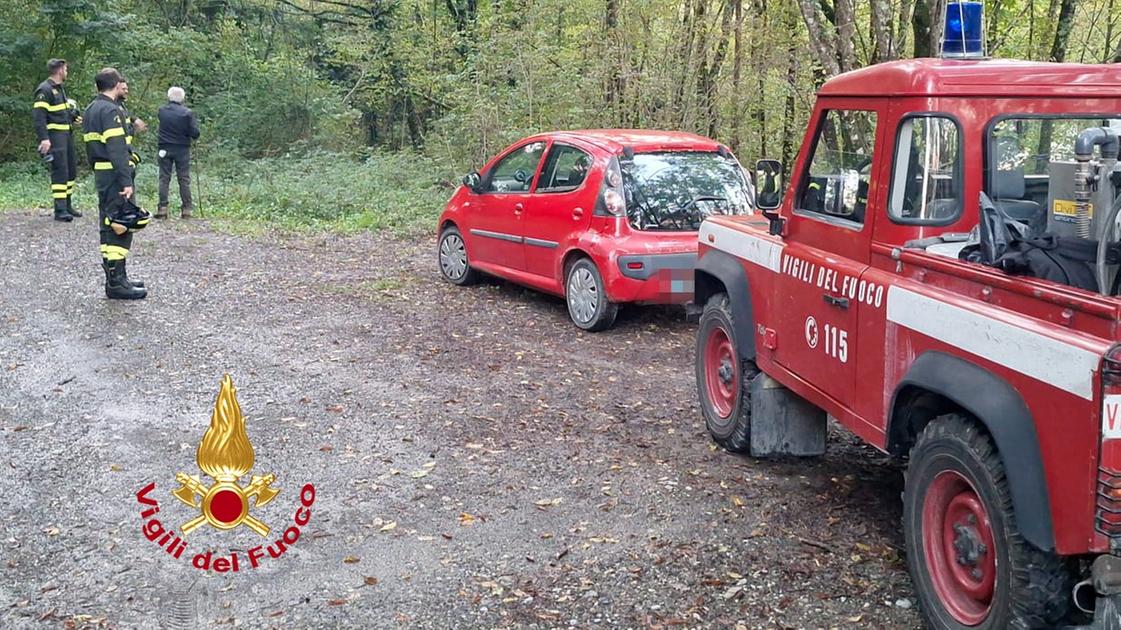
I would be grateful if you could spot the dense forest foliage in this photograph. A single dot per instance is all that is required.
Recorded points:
(455, 80)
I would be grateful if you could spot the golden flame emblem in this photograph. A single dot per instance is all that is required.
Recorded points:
(225, 454)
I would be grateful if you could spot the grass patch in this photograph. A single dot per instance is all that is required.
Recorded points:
(400, 193)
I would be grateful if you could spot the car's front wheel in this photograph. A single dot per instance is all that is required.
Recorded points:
(452, 254)
(970, 566)
(586, 295)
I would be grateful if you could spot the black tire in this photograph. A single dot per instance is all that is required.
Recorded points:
(1030, 588)
(723, 381)
(452, 259)
(586, 296)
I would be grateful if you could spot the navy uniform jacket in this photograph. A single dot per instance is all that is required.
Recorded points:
(104, 127)
(50, 110)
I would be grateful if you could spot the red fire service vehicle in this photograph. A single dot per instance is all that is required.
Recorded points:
(941, 278)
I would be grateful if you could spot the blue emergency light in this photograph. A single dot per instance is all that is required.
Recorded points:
(962, 37)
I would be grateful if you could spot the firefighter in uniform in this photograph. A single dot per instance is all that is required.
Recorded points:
(109, 155)
(133, 125)
(54, 116)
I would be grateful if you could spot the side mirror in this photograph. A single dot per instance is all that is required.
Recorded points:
(768, 184)
(472, 181)
(768, 192)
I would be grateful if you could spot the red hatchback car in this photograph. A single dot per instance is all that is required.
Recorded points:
(599, 217)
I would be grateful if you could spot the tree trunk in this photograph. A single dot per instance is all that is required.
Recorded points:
(882, 49)
(921, 27)
(1106, 56)
(759, 113)
(1062, 31)
(711, 69)
(684, 61)
(823, 39)
(902, 26)
(789, 131)
(614, 92)
(992, 15)
(737, 74)
(1058, 54)
(846, 34)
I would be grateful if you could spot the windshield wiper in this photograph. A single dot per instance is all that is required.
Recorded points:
(694, 201)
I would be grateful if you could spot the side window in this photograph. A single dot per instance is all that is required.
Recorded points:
(841, 167)
(514, 173)
(926, 177)
(565, 169)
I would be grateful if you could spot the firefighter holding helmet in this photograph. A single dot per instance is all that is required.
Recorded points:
(109, 156)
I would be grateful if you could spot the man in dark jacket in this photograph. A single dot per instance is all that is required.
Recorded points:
(54, 115)
(178, 127)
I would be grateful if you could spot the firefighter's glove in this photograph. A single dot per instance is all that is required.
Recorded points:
(75, 113)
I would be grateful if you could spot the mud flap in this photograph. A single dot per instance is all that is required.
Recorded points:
(693, 312)
(1106, 579)
(783, 423)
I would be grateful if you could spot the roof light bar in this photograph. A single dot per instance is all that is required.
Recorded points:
(963, 34)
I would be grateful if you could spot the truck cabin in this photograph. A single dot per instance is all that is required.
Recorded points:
(914, 154)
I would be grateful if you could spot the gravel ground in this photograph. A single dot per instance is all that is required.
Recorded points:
(477, 460)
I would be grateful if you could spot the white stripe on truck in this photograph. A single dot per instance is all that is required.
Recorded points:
(743, 245)
(1002, 341)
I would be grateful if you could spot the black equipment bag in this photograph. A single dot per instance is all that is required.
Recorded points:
(1012, 247)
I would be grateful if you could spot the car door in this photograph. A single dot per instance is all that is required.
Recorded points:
(495, 235)
(927, 189)
(820, 284)
(556, 211)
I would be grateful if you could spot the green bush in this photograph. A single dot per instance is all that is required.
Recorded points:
(398, 192)
(24, 185)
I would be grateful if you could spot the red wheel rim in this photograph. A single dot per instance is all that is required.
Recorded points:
(958, 546)
(722, 374)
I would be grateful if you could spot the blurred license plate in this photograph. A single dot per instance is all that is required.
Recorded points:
(675, 281)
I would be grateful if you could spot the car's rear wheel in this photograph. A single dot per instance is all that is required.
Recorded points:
(588, 305)
(723, 380)
(970, 566)
(455, 267)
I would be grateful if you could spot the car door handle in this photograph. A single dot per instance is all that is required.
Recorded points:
(577, 214)
(842, 302)
(518, 208)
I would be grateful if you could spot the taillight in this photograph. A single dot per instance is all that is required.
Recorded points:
(1111, 367)
(1108, 519)
(1108, 502)
(612, 201)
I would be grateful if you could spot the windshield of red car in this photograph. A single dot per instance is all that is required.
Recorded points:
(675, 191)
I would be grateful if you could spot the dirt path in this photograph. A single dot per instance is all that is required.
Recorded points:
(477, 460)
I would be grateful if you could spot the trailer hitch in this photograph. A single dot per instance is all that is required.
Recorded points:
(1105, 579)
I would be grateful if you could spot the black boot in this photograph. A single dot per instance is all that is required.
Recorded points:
(116, 284)
(63, 215)
(124, 271)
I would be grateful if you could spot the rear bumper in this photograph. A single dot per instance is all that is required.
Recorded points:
(653, 278)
